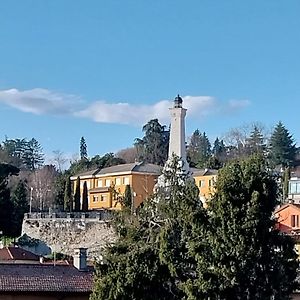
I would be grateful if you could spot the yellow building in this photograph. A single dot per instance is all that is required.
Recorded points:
(107, 184)
(205, 180)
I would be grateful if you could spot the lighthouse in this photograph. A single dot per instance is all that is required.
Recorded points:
(177, 134)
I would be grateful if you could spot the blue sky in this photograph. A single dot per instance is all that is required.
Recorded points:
(102, 69)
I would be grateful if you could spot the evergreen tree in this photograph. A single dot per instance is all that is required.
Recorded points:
(33, 156)
(6, 205)
(199, 149)
(83, 149)
(153, 147)
(127, 200)
(249, 258)
(85, 201)
(68, 201)
(255, 143)
(20, 207)
(151, 258)
(282, 146)
(77, 195)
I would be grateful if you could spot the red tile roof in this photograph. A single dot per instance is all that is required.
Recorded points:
(16, 253)
(44, 278)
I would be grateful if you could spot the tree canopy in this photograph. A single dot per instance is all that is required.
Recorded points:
(173, 248)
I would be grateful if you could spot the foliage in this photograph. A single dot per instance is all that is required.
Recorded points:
(282, 146)
(24, 153)
(174, 249)
(20, 207)
(77, 195)
(142, 264)
(85, 201)
(199, 149)
(83, 149)
(248, 257)
(127, 199)
(6, 205)
(68, 198)
(255, 143)
(153, 147)
(33, 156)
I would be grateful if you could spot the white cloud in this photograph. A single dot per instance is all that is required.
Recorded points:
(43, 101)
(39, 101)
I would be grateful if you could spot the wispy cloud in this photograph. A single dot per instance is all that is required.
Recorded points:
(42, 101)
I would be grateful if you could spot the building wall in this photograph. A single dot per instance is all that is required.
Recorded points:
(288, 218)
(142, 187)
(206, 185)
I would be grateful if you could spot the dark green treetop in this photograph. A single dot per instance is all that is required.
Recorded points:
(85, 201)
(77, 195)
(282, 146)
(83, 149)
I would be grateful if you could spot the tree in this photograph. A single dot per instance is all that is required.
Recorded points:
(248, 257)
(85, 201)
(282, 146)
(33, 156)
(6, 205)
(153, 147)
(68, 201)
(20, 206)
(151, 259)
(83, 149)
(59, 160)
(255, 143)
(129, 155)
(77, 195)
(127, 200)
(199, 149)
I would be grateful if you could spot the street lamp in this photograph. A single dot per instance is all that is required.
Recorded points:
(30, 202)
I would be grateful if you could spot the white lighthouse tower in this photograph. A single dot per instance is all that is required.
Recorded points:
(177, 133)
(177, 146)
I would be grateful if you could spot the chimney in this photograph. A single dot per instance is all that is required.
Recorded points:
(80, 259)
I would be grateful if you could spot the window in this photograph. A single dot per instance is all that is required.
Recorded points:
(95, 198)
(294, 187)
(100, 184)
(103, 197)
(295, 220)
(88, 184)
(107, 182)
(118, 181)
(210, 182)
(126, 180)
(201, 183)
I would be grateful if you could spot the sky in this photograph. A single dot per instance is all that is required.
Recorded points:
(103, 68)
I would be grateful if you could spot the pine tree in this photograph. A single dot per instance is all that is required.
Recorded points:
(77, 195)
(83, 149)
(68, 201)
(282, 146)
(85, 201)
(199, 149)
(249, 258)
(33, 156)
(255, 143)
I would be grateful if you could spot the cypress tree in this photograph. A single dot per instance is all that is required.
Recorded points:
(85, 201)
(77, 195)
(68, 201)
(83, 149)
